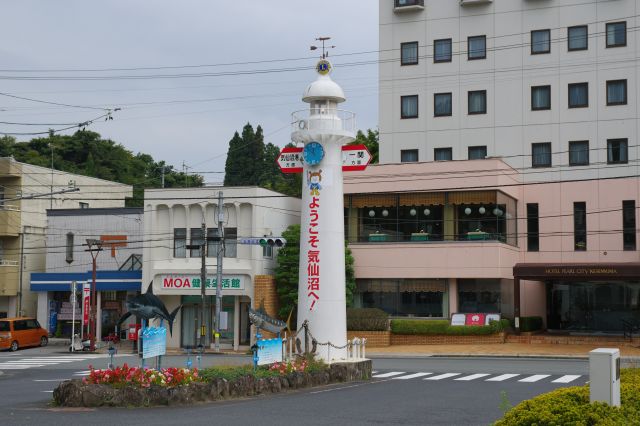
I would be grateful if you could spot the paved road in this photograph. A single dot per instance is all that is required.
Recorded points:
(425, 391)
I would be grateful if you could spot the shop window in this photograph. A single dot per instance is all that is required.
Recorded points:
(481, 222)
(578, 38)
(533, 227)
(479, 296)
(580, 225)
(629, 224)
(403, 297)
(421, 223)
(179, 242)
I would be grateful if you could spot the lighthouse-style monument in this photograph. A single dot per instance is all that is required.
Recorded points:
(323, 129)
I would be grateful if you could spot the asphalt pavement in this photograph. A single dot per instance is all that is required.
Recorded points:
(408, 391)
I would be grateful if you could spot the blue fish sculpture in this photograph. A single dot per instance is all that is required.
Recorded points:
(149, 306)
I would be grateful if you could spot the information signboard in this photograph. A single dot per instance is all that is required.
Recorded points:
(269, 351)
(155, 342)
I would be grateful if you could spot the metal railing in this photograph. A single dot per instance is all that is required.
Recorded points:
(323, 119)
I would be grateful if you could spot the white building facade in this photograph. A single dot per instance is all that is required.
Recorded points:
(173, 219)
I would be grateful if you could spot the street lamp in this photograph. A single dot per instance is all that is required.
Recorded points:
(94, 248)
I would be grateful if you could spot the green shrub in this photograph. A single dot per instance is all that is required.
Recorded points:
(367, 319)
(571, 406)
(531, 323)
(439, 327)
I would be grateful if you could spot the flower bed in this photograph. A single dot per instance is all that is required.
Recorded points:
(132, 387)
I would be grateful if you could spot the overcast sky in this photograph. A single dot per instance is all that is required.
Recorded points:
(49, 36)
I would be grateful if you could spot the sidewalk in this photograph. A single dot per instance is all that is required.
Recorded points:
(498, 350)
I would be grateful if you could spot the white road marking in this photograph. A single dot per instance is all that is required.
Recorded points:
(373, 372)
(47, 391)
(566, 379)
(411, 376)
(442, 376)
(472, 377)
(49, 380)
(18, 367)
(391, 374)
(502, 378)
(82, 373)
(534, 378)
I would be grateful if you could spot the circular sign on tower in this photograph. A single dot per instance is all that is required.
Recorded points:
(313, 153)
(323, 67)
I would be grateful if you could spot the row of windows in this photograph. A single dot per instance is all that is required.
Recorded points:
(578, 97)
(541, 154)
(580, 226)
(212, 243)
(577, 39)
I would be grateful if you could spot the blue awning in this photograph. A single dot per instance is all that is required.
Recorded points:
(105, 280)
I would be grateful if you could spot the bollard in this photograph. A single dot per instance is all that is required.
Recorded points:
(364, 345)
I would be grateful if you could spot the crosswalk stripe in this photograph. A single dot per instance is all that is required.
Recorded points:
(411, 376)
(566, 379)
(442, 376)
(534, 378)
(391, 374)
(42, 361)
(373, 372)
(82, 373)
(472, 377)
(502, 378)
(17, 367)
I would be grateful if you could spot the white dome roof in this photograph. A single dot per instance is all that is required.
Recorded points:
(324, 88)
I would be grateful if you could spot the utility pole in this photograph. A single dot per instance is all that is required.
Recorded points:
(219, 269)
(203, 285)
(91, 243)
(163, 176)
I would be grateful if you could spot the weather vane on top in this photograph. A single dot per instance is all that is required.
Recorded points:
(325, 53)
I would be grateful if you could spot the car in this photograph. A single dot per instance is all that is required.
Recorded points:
(21, 332)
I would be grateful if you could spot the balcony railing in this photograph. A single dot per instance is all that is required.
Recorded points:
(323, 119)
(408, 5)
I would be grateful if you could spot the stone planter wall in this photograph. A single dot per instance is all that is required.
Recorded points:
(375, 339)
(411, 339)
(75, 393)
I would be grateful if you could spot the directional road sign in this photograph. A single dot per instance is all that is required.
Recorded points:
(354, 158)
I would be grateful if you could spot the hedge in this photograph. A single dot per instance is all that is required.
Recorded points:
(531, 323)
(443, 327)
(367, 319)
(571, 406)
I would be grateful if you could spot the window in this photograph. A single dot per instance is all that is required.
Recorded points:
(579, 153)
(84, 205)
(213, 242)
(230, 242)
(477, 47)
(617, 151)
(541, 154)
(409, 106)
(616, 34)
(580, 225)
(402, 3)
(409, 156)
(540, 98)
(69, 248)
(533, 227)
(617, 92)
(196, 240)
(267, 251)
(477, 152)
(179, 242)
(578, 95)
(540, 42)
(577, 38)
(442, 50)
(409, 53)
(442, 154)
(441, 104)
(629, 224)
(478, 102)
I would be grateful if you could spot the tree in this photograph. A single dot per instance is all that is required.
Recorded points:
(371, 141)
(245, 165)
(287, 273)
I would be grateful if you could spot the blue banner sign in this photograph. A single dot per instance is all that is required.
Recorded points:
(154, 341)
(269, 351)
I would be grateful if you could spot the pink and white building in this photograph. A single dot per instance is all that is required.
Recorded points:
(509, 176)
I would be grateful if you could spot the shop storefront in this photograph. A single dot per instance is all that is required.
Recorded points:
(586, 297)
(55, 305)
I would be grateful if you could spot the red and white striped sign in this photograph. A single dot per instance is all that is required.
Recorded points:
(354, 158)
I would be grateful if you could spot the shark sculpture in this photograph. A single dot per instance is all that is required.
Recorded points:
(265, 322)
(149, 306)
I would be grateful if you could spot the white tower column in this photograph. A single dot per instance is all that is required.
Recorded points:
(321, 289)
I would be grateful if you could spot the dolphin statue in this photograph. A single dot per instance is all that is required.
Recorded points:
(149, 306)
(265, 322)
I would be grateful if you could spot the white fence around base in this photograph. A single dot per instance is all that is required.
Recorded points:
(356, 349)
